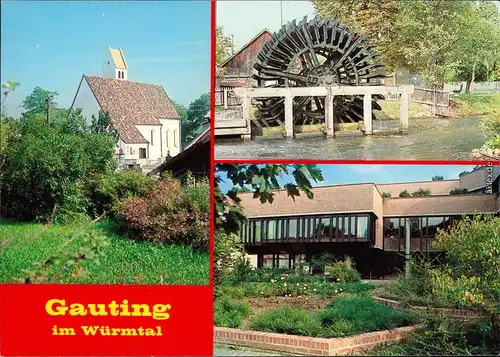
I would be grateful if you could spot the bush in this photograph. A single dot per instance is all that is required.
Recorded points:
(107, 190)
(46, 170)
(360, 314)
(168, 214)
(230, 313)
(344, 271)
(287, 320)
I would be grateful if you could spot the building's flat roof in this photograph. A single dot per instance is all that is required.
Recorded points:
(362, 197)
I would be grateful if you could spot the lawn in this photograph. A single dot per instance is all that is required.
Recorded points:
(125, 261)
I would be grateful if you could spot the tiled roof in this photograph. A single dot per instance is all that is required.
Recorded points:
(131, 103)
(346, 198)
(451, 204)
(437, 187)
(118, 58)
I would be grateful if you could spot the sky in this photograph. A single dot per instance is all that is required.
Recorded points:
(257, 15)
(334, 174)
(51, 44)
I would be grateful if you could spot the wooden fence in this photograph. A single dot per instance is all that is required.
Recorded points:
(439, 100)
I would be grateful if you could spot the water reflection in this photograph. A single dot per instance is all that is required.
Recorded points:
(429, 139)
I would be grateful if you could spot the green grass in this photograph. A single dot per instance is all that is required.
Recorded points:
(126, 261)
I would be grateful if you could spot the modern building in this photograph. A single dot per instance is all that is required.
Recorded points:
(362, 221)
(146, 120)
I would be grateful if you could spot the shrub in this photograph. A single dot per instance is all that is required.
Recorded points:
(421, 193)
(362, 315)
(404, 193)
(46, 169)
(472, 276)
(107, 190)
(287, 320)
(167, 214)
(344, 271)
(230, 313)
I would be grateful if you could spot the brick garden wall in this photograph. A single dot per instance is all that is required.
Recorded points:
(459, 314)
(310, 345)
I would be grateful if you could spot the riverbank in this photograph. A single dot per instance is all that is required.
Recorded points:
(461, 106)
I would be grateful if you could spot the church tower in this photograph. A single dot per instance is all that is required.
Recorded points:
(114, 65)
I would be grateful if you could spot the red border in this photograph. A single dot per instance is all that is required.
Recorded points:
(212, 136)
(362, 162)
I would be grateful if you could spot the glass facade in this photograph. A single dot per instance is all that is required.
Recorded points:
(422, 231)
(324, 228)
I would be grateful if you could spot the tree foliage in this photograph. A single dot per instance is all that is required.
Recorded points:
(35, 103)
(193, 116)
(375, 20)
(472, 277)
(437, 178)
(45, 169)
(224, 45)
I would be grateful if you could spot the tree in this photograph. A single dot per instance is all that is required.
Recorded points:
(472, 275)
(195, 117)
(36, 104)
(404, 193)
(224, 45)
(102, 124)
(182, 111)
(477, 52)
(463, 173)
(386, 195)
(437, 178)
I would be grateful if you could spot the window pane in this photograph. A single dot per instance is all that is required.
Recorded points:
(334, 227)
(300, 226)
(311, 228)
(264, 230)
(284, 261)
(258, 231)
(292, 228)
(267, 262)
(432, 225)
(363, 227)
(341, 227)
(271, 230)
(415, 227)
(280, 235)
(352, 226)
(325, 227)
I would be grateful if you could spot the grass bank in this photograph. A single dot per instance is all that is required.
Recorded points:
(125, 261)
(461, 106)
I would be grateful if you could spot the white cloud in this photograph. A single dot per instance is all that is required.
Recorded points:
(245, 19)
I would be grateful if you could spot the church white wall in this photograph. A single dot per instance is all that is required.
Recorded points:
(155, 146)
(108, 66)
(86, 101)
(171, 136)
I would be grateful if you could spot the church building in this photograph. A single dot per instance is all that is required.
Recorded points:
(147, 123)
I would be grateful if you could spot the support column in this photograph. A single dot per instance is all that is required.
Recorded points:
(225, 98)
(407, 247)
(367, 114)
(247, 115)
(329, 116)
(289, 115)
(405, 107)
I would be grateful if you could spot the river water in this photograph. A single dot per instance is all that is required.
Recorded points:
(428, 139)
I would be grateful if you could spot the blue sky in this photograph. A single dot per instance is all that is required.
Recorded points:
(51, 44)
(363, 173)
